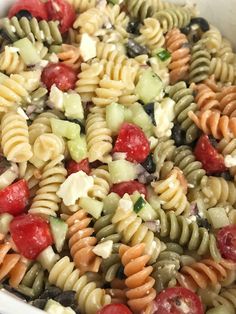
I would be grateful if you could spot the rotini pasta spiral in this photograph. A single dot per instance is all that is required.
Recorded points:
(151, 35)
(228, 148)
(205, 272)
(184, 99)
(98, 136)
(195, 238)
(42, 31)
(12, 93)
(199, 63)
(163, 152)
(11, 265)
(15, 137)
(212, 122)
(176, 43)
(212, 39)
(111, 266)
(186, 161)
(48, 146)
(102, 183)
(90, 298)
(10, 61)
(41, 49)
(89, 21)
(227, 100)
(227, 298)
(46, 202)
(31, 174)
(82, 5)
(81, 242)
(171, 194)
(223, 71)
(70, 56)
(226, 51)
(206, 98)
(32, 284)
(118, 19)
(133, 231)
(88, 80)
(139, 282)
(173, 18)
(105, 230)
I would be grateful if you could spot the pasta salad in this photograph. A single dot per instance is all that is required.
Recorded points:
(117, 158)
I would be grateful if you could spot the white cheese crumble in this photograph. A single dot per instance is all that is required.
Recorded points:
(103, 249)
(75, 186)
(88, 47)
(56, 98)
(164, 115)
(230, 161)
(53, 58)
(125, 204)
(13, 49)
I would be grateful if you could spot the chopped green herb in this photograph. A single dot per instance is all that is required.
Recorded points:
(139, 204)
(163, 55)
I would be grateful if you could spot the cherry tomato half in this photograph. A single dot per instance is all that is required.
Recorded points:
(60, 74)
(63, 12)
(132, 141)
(226, 238)
(115, 309)
(129, 187)
(178, 300)
(31, 234)
(73, 166)
(35, 7)
(14, 198)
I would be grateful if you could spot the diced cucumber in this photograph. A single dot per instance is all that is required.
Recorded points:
(141, 118)
(73, 106)
(78, 148)
(48, 258)
(218, 217)
(91, 206)
(128, 115)
(27, 51)
(115, 116)
(110, 203)
(5, 220)
(149, 86)
(65, 129)
(122, 170)
(143, 208)
(59, 230)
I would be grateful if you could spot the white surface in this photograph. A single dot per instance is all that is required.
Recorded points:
(218, 12)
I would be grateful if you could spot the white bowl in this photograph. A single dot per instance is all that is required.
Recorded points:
(218, 12)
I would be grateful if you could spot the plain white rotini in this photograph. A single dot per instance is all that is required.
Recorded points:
(223, 71)
(15, 137)
(89, 21)
(46, 202)
(212, 39)
(82, 5)
(10, 61)
(98, 136)
(90, 298)
(102, 183)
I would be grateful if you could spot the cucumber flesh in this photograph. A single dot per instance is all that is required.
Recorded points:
(141, 118)
(122, 170)
(73, 106)
(143, 208)
(110, 203)
(115, 116)
(91, 206)
(65, 129)
(78, 148)
(27, 51)
(149, 86)
(59, 230)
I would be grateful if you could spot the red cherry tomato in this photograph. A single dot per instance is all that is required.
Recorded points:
(60, 74)
(115, 309)
(14, 198)
(128, 187)
(35, 7)
(62, 11)
(72, 166)
(132, 141)
(178, 300)
(31, 234)
(211, 160)
(226, 238)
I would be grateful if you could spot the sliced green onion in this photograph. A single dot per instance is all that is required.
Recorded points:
(163, 55)
(139, 204)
